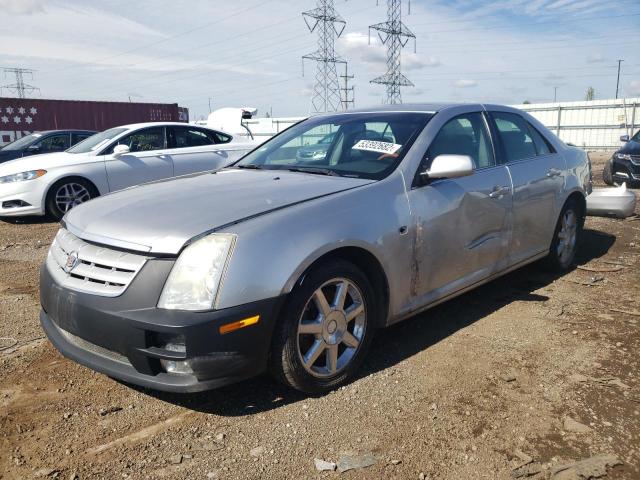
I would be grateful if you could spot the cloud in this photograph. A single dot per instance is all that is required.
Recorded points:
(595, 58)
(356, 46)
(465, 83)
(633, 88)
(413, 61)
(21, 7)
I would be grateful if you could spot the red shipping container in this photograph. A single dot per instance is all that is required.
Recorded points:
(22, 116)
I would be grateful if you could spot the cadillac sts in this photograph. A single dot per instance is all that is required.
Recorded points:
(289, 264)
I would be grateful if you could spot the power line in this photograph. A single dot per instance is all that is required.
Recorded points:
(329, 24)
(395, 35)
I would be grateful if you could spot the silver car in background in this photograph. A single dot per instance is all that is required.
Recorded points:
(291, 266)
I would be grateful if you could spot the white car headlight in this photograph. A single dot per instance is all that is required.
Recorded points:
(20, 177)
(195, 278)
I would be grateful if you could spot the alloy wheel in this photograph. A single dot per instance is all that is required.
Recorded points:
(71, 195)
(331, 327)
(567, 236)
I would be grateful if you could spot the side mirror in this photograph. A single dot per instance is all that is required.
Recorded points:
(624, 138)
(450, 166)
(119, 150)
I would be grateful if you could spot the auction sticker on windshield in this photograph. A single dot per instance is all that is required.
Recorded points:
(374, 146)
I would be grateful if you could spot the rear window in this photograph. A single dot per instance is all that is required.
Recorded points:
(514, 133)
(543, 146)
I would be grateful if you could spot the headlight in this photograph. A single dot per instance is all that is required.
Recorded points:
(623, 156)
(20, 177)
(195, 278)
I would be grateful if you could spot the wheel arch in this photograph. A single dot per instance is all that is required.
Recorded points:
(581, 200)
(362, 258)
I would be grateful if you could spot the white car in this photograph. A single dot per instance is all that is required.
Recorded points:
(112, 160)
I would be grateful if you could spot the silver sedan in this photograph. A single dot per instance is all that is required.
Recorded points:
(290, 264)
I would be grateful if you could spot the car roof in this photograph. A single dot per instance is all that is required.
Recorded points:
(132, 126)
(427, 107)
(70, 130)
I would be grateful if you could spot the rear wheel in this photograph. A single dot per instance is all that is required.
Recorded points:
(326, 328)
(68, 193)
(566, 237)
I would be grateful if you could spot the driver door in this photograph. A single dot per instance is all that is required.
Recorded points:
(145, 162)
(462, 225)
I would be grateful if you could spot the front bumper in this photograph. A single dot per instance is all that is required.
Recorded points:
(30, 192)
(123, 337)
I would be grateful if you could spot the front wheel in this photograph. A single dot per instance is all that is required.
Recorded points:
(326, 328)
(566, 237)
(66, 194)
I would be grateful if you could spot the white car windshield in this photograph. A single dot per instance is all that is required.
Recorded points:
(97, 141)
(363, 145)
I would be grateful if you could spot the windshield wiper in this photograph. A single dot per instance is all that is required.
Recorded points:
(250, 166)
(314, 170)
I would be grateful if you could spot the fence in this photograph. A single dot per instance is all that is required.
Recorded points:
(593, 125)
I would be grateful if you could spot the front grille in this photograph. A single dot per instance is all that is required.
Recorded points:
(92, 347)
(96, 270)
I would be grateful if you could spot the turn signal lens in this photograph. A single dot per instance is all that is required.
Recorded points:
(232, 327)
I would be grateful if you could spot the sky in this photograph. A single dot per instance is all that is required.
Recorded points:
(247, 53)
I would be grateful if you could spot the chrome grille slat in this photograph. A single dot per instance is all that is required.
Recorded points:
(99, 270)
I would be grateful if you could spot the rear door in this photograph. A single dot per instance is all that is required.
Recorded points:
(146, 160)
(537, 172)
(195, 149)
(462, 224)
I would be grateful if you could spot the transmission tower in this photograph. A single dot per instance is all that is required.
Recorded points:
(329, 25)
(395, 35)
(348, 92)
(21, 88)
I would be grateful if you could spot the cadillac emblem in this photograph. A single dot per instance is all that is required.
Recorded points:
(72, 261)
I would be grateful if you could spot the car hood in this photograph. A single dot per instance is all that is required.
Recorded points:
(161, 217)
(44, 161)
(631, 147)
(6, 155)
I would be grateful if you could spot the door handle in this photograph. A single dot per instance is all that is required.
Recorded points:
(553, 172)
(499, 191)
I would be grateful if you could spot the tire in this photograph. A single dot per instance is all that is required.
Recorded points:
(606, 173)
(76, 190)
(563, 248)
(304, 332)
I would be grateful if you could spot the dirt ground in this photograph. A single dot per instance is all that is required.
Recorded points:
(518, 379)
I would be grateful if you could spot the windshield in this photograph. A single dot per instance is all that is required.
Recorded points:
(97, 141)
(363, 145)
(22, 142)
(635, 138)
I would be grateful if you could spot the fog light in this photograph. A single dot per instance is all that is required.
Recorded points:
(181, 367)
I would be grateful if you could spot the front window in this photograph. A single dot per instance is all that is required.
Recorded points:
(363, 145)
(144, 140)
(23, 142)
(464, 135)
(97, 141)
(54, 143)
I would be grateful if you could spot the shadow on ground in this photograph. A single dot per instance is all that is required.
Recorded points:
(27, 220)
(398, 342)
